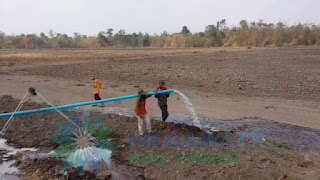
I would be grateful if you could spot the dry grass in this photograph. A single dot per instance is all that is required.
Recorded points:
(305, 162)
(96, 54)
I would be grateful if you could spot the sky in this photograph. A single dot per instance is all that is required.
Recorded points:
(151, 16)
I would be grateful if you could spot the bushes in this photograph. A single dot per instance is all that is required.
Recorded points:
(176, 40)
(90, 42)
(256, 34)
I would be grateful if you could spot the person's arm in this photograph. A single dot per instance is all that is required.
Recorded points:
(168, 93)
(95, 84)
(148, 96)
(156, 95)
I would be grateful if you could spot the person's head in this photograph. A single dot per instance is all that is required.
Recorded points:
(141, 96)
(162, 83)
(140, 91)
(93, 77)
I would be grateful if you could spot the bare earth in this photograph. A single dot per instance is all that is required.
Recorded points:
(263, 162)
(280, 84)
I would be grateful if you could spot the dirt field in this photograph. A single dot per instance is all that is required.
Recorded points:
(280, 84)
(267, 161)
(288, 73)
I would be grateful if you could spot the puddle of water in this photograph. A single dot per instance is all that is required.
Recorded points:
(12, 150)
(7, 170)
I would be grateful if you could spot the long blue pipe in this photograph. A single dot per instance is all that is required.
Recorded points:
(82, 103)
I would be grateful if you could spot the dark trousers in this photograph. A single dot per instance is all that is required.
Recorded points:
(97, 97)
(165, 112)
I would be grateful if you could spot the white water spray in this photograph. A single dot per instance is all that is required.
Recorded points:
(188, 104)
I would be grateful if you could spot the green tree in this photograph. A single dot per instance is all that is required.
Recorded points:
(2, 35)
(212, 33)
(64, 41)
(43, 36)
(103, 40)
(244, 24)
(185, 30)
(146, 40)
(110, 32)
(135, 39)
(76, 39)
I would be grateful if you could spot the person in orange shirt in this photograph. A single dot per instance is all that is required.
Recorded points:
(96, 88)
(141, 112)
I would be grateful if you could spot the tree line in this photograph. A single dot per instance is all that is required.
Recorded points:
(257, 34)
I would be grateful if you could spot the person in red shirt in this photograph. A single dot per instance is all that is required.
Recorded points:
(141, 112)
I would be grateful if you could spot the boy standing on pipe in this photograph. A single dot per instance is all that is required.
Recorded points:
(162, 101)
(96, 88)
(140, 109)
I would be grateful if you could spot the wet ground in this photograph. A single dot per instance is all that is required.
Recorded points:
(8, 170)
(266, 161)
(300, 138)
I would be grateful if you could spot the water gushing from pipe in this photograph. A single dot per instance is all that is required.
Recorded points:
(189, 105)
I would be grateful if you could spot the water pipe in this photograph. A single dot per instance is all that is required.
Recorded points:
(82, 103)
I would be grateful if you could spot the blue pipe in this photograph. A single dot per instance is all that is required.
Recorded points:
(82, 103)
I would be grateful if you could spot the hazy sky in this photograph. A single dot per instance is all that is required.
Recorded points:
(152, 16)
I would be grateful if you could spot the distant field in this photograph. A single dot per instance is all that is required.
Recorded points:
(289, 73)
(94, 54)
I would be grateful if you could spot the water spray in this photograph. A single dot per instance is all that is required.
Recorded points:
(188, 104)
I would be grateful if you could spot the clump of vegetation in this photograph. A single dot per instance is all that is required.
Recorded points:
(11, 64)
(305, 162)
(280, 144)
(254, 34)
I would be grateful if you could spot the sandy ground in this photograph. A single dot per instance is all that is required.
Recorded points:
(64, 91)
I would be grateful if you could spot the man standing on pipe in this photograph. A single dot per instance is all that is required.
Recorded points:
(162, 101)
(96, 88)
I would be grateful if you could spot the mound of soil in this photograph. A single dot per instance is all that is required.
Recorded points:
(32, 130)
